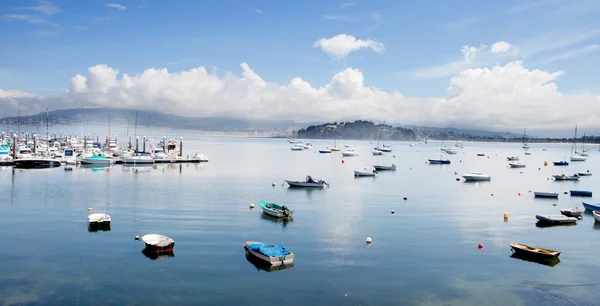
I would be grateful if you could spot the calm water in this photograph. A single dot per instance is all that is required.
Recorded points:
(424, 254)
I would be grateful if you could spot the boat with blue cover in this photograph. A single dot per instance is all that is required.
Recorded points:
(561, 163)
(439, 161)
(273, 254)
(591, 206)
(581, 193)
(276, 210)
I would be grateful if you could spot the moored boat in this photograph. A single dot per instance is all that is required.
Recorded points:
(586, 173)
(556, 219)
(377, 153)
(276, 210)
(543, 194)
(309, 182)
(596, 215)
(476, 176)
(99, 218)
(480, 154)
(37, 163)
(563, 177)
(512, 158)
(97, 159)
(516, 165)
(275, 255)
(364, 173)
(561, 163)
(382, 167)
(325, 151)
(581, 193)
(528, 250)
(439, 161)
(591, 206)
(573, 212)
(158, 243)
(577, 158)
(138, 160)
(349, 152)
(297, 148)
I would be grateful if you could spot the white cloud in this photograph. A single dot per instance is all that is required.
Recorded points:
(569, 54)
(24, 17)
(500, 47)
(341, 45)
(501, 97)
(44, 6)
(258, 11)
(116, 6)
(460, 24)
(347, 5)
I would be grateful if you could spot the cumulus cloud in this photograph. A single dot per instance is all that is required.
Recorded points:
(500, 47)
(502, 97)
(341, 45)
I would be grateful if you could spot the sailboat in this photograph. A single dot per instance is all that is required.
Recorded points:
(383, 148)
(576, 156)
(584, 151)
(525, 144)
(335, 148)
(39, 162)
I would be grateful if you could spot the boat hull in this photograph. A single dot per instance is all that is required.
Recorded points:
(276, 210)
(439, 162)
(545, 194)
(35, 163)
(572, 212)
(558, 219)
(362, 173)
(561, 163)
(389, 168)
(515, 165)
(305, 184)
(325, 151)
(590, 206)
(581, 193)
(530, 251)
(138, 161)
(597, 216)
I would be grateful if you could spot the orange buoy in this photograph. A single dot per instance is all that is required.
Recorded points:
(342, 161)
(480, 246)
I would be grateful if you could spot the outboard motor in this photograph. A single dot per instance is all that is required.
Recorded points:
(285, 212)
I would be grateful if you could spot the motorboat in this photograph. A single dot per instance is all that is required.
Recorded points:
(480, 154)
(308, 183)
(365, 172)
(69, 157)
(276, 210)
(349, 152)
(97, 159)
(307, 146)
(459, 145)
(581, 193)
(516, 165)
(556, 219)
(543, 194)
(591, 206)
(138, 160)
(528, 250)
(24, 152)
(384, 148)
(335, 149)
(561, 163)
(573, 212)
(377, 153)
(384, 167)
(199, 156)
(325, 151)
(159, 153)
(37, 163)
(274, 255)
(450, 151)
(297, 148)
(99, 219)
(564, 177)
(512, 158)
(158, 243)
(5, 152)
(586, 173)
(476, 176)
(439, 161)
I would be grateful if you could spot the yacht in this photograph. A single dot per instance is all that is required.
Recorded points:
(138, 160)
(37, 163)
(69, 157)
(96, 159)
(24, 152)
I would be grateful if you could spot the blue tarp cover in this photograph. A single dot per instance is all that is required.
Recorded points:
(269, 249)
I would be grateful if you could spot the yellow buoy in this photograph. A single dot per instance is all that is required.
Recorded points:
(505, 216)
(545, 163)
(251, 205)
(89, 209)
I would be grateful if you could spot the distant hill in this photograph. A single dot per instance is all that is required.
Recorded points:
(148, 118)
(358, 129)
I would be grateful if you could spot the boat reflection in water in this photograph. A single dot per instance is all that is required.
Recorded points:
(98, 226)
(94, 168)
(153, 255)
(261, 265)
(283, 221)
(546, 262)
(542, 224)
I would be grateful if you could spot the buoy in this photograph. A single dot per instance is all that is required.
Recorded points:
(505, 216)
(251, 205)
(89, 209)
(480, 246)
(458, 179)
(519, 194)
(273, 184)
(368, 239)
(455, 173)
(342, 161)
(566, 192)
(545, 163)
(539, 168)
(136, 220)
(553, 204)
(393, 211)
(137, 237)
(405, 198)
(492, 194)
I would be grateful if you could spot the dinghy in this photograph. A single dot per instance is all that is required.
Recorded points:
(556, 219)
(297, 148)
(581, 193)
(377, 153)
(590, 206)
(276, 210)
(476, 176)
(99, 219)
(516, 165)
(480, 154)
(543, 194)
(512, 158)
(349, 152)
(527, 153)
(561, 163)
(596, 215)
(573, 212)
(587, 173)
(528, 250)
(563, 177)
(275, 255)
(325, 151)
(309, 182)
(439, 161)
(381, 167)
(158, 243)
(365, 173)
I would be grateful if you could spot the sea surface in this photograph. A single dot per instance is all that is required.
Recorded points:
(426, 253)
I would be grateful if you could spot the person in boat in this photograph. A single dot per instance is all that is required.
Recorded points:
(309, 179)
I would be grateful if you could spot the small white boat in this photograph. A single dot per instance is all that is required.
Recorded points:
(459, 145)
(99, 219)
(573, 212)
(349, 152)
(325, 151)
(476, 176)
(563, 177)
(527, 153)
(382, 167)
(365, 173)
(138, 160)
(450, 151)
(307, 146)
(309, 182)
(274, 255)
(556, 219)
(297, 148)
(97, 160)
(516, 165)
(512, 158)
(377, 153)
(386, 149)
(596, 215)
(577, 158)
(158, 242)
(543, 194)
(586, 173)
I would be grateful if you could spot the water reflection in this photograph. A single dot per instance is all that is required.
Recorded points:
(596, 226)
(308, 191)
(283, 221)
(153, 255)
(98, 226)
(261, 265)
(542, 224)
(546, 262)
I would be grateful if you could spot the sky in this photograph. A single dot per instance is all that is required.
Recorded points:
(502, 65)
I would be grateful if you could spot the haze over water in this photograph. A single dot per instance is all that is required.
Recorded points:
(424, 254)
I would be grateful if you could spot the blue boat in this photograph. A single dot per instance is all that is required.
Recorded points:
(591, 206)
(274, 255)
(581, 193)
(561, 163)
(439, 161)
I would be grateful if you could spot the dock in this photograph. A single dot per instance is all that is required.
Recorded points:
(171, 161)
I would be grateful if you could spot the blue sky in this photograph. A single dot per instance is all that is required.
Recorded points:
(46, 43)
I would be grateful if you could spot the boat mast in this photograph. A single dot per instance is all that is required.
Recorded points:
(47, 137)
(108, 140)
(574, 138)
